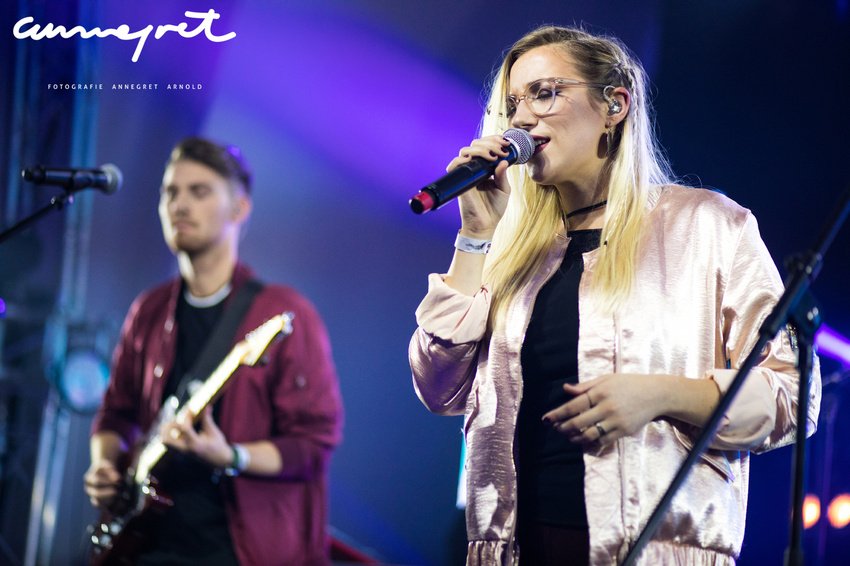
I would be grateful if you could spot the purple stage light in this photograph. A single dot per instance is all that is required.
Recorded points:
(832, 344)
(353, 95)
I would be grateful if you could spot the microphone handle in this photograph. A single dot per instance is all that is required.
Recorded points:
(72, 179)
(455, 183)
(466, 176)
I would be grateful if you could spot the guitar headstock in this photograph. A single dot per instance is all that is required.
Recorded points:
(256, 341)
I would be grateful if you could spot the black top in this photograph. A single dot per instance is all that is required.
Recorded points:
(194, 531)
(551, 468)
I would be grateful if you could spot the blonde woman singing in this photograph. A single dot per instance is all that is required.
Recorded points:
(594, 339)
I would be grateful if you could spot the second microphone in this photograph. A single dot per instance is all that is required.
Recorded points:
(466, 176)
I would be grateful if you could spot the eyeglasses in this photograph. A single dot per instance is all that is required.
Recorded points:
(542, 94)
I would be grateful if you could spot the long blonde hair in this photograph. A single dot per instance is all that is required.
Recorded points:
(634, 164)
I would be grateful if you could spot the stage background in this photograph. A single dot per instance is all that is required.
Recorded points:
(345, 108)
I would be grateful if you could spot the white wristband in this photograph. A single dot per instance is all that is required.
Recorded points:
(244, 457)
(241, 459)
(472, 246)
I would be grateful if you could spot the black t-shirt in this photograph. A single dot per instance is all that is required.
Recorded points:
(194, 531)
(551, 468)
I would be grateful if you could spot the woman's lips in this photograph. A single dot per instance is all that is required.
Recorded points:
(539, 144)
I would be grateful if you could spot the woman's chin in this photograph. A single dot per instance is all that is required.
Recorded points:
(534, 171)
(538, 175)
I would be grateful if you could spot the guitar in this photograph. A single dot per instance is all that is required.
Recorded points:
(121, 533)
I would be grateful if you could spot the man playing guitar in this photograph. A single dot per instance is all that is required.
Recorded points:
(247, 476)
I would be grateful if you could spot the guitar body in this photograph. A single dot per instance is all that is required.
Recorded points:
(123, 532)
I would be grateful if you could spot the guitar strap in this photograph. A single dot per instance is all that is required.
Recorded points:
(218, 343)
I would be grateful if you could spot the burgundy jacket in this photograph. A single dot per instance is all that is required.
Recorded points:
(292, 401)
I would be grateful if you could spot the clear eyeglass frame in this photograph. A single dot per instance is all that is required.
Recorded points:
(542, 94)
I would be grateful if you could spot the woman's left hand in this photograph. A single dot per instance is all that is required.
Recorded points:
(609, 407)
(619, 404)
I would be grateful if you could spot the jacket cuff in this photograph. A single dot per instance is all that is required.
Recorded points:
(452, 316)
(752, 414)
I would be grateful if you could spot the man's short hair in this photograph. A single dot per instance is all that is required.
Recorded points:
(226, 160)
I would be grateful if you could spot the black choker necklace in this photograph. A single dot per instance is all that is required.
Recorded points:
(586, 209)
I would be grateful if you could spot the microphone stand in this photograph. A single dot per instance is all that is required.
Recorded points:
(57, 202)
(797, 305)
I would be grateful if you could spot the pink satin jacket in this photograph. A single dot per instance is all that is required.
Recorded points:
(704, 284)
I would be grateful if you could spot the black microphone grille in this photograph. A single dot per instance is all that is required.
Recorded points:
(114, 178)
(522, 141)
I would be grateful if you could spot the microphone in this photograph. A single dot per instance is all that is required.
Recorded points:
(107, 179)
(470, 174)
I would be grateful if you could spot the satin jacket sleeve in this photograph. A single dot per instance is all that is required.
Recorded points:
(444, 348)
(763, 415)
